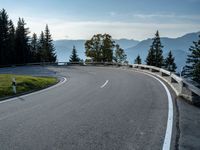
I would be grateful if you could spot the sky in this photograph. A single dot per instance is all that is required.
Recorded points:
(131, 19)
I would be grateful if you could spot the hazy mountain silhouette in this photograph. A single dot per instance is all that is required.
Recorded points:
(64, 47)
(179, 47)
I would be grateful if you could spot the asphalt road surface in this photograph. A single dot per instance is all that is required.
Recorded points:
(96, 109)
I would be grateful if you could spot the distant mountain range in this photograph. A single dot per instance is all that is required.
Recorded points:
(179, 47)
(64, 47)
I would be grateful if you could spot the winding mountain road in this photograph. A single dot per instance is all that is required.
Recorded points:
(95, 109)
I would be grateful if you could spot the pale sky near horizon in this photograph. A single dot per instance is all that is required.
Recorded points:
(131, 19)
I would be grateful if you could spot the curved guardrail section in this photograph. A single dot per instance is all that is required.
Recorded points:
(179, 85)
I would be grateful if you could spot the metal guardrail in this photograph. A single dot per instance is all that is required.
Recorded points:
(185, 89)
(176, 78)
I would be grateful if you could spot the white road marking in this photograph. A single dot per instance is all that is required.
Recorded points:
(168, 133)
(37, 92)
(104, 84)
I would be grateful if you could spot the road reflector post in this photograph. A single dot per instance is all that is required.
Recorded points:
(14, 85)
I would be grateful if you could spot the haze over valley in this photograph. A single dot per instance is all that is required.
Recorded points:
(179, 47)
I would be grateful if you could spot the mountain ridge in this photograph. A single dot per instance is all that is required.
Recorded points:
(179, 47)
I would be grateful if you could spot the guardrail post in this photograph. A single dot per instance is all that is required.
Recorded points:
(162, 74)
(181, 85)
(14, 85)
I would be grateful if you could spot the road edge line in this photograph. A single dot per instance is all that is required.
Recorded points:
(36, 92)
(168, 133)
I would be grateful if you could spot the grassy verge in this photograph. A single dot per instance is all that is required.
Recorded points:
(24, 84)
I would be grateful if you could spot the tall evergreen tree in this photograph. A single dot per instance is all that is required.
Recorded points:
(169, 62)
(193, 62)
(49, 47)
(41, 48)
(15, 47)
(138, 60)
(11, 45)
(34, 49)
(155, 57)
(22, 43)
(4, 37)
(150, 60)
(74, 57)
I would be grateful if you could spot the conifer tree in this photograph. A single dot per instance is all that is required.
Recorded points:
(138, 60)
(41, 48)
(11, 45)
(155, 57)
(74, 57)
(49, 47)
(15, 47)
(169, 62)
(22, 43)
(193, 62)
(4, 35)
(150, 60)
(34, 48)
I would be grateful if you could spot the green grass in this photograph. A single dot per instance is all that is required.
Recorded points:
(24, 84)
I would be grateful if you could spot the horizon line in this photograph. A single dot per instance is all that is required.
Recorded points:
(132, 38)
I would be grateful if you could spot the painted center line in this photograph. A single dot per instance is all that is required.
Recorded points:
(104, 84)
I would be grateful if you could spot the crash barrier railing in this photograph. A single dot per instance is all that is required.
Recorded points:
(179, 85)
(182, 87)
(67, 63)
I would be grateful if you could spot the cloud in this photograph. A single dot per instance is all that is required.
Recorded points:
(193, 1)
(168, 16)
(118, 29)
(112, 14)
(139, 31)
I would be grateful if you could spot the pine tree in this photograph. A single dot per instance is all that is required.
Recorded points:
(15, 47)
(4, 39)
(11, 45)
(22, 43)
(138, 60)
(74, 57)
(193, 62)
(150, 60)
(169, 62)
(155, 57)
(34, 48)
(49, 47)
(41, 48)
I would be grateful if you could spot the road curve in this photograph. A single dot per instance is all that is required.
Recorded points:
(97, 108)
